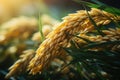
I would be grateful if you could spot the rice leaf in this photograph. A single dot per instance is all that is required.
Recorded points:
(40, 28)
(94, 23)
(92, 45)
(101, 6)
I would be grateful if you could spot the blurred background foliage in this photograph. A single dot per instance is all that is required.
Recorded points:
(55, 8)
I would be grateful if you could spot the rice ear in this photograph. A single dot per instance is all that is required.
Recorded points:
(60, 37)
(21, 65)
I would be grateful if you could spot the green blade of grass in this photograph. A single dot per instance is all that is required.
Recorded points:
(87, 40)
(40, 27)
(93, 22)
(80, 70)
(98, 2)
(92, 45)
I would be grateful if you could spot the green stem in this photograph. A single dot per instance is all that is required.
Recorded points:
(40, 27)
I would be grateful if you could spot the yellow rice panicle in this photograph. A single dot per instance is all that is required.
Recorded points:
(21, 26)
(73, 23)
(110, 35)
(21, 65)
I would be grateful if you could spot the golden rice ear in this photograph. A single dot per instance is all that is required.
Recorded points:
(21, 65)
(109, 35)
(60, 37)
(21, 26)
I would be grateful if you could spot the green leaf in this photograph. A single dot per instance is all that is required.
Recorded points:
(94, 23)
(101, 6)
(40, 28)
(98, 2)
(93, 45)
(88, 41)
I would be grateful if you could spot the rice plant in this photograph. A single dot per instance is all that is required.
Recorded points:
(84, 46)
